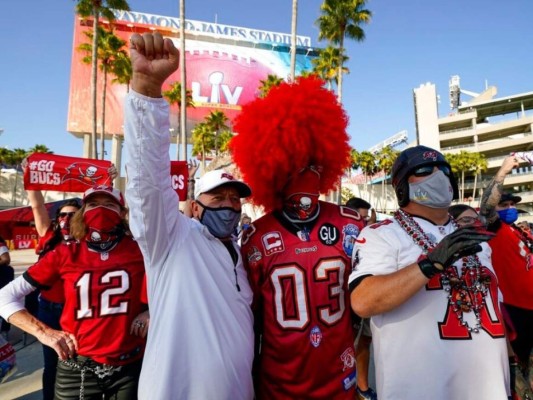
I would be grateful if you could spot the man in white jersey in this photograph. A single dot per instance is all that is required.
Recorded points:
(431, 292)
(200, 341)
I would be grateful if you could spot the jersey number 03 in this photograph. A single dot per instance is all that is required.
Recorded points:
(291, 292)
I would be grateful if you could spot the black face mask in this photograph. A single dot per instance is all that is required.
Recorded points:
(221, 221)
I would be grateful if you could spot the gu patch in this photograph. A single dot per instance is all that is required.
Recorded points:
(328, 234)
(315, 336)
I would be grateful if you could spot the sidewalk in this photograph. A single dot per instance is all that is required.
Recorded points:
(25, 383)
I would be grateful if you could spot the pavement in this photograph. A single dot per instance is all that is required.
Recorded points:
(25, 383)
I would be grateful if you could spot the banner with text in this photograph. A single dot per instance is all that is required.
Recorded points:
(221, 74)
(65, 174)
(179, 174)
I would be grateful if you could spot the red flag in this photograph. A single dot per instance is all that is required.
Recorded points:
(64, 174)
(179, 174)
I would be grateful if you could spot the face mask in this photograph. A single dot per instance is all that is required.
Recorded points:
(221, 222)
(508, 215)
(104, 227)
(301, 206)
(64, 227)
(435, 191)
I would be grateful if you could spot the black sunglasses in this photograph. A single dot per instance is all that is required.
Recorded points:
(66, 214)
(428, 170)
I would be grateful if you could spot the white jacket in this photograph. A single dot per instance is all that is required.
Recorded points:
(200, 341)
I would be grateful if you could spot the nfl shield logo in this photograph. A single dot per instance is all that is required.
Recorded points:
(315, 336)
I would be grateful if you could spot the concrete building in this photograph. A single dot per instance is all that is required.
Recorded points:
(494, 127)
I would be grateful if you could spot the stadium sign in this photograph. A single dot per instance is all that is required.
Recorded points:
(214, 29)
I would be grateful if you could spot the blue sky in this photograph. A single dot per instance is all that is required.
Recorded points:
(407, 43)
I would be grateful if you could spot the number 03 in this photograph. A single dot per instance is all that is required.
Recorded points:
(297, 293)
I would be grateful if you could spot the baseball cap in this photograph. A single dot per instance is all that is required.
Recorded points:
(510, 197)
(103, 189)
(219, 177)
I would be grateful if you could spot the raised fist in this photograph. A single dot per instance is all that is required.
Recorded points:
(153, 60)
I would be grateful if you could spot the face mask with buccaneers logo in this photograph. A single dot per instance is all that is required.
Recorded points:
(104, 226)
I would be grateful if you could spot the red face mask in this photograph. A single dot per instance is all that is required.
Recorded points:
(104, 226)
(301, 195)
(301, 205)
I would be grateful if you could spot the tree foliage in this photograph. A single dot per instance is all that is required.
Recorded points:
(95, 9)
(269, 83)
(342, 19)
(13, 158)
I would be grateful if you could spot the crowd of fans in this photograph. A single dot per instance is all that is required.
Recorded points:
(151, 303)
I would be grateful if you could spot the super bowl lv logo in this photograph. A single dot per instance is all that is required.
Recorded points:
(218, 88)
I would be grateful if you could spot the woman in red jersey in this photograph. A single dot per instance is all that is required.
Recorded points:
(102, 272)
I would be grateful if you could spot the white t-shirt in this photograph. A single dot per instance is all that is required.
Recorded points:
(200, 341)
(417, 354)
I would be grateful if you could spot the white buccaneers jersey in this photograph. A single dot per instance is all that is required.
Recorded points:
(421, 349)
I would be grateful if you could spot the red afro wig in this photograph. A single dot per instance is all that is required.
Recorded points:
(295, 126)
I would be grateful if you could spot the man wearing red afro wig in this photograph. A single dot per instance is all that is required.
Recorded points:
(291, 146)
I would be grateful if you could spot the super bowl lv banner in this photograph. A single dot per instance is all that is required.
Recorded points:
(65, 174)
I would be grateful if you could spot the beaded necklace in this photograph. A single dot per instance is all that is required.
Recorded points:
(467, 292)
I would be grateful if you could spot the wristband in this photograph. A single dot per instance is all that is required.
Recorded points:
(428, 268)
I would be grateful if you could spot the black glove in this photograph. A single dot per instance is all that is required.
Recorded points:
(461, 243)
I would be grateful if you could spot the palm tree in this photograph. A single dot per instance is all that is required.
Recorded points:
(17, 156)
(122, 70)
(294, 24)
(203, 140)
(327, 63)
(5, 156)
(385, 159)
(95, 8)
(223, 140)
(173, 96)
(461, 163)
(40, 148)
(367, 162)
(479, 165)
(110, 47)
(341, 19)
(269, 83)
(216, 120)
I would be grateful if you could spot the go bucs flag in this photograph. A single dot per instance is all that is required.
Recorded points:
(179, 174)
(64, 174)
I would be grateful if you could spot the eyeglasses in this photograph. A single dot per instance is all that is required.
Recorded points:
(467, 220)
(428, 170)
(66, 214)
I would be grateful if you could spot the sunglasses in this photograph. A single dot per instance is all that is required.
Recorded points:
(467, 220)
(428, 170)
(66, 214)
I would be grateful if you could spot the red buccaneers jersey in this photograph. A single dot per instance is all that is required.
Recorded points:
(300, 284)
(510, 257)
(55, 293)
(102, 297)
